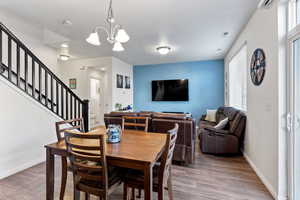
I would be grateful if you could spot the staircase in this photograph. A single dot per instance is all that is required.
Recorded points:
(26, 72)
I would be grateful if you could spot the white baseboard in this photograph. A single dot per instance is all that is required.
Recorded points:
(21, 167)
(263, 178)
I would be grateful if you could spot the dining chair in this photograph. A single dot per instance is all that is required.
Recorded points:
(136, 122)
(161, 173)
(61, 126)
(91, 173)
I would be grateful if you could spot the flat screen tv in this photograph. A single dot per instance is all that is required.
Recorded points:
(170, 90)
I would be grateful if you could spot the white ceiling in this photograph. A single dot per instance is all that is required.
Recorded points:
(192, 28)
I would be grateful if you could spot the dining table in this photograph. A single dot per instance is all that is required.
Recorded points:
(137, 150)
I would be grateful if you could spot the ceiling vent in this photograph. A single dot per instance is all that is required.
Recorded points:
(264, 4)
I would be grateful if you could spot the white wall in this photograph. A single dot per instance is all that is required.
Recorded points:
(82, 69)
(32, 36)
(26, 126)
(263, 102)
(121, 95)
(113, 66)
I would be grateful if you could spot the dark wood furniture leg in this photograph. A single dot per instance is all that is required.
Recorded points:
(148, 182)
(170, 187)
(140, 194)
(132, 193)
(64, 175)
(125, 192)
(49, 175)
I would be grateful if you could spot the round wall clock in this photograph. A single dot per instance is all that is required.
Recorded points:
(258, 66)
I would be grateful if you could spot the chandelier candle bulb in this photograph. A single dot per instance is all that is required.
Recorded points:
(118, 47)
(122, 36)
(94, 39)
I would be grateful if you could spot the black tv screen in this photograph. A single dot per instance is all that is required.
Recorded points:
(170, 90)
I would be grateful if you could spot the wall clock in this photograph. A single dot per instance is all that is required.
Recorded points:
(258, 66)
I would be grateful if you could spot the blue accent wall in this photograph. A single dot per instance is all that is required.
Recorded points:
(206, 86)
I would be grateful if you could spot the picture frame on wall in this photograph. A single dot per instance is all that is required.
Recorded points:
(127, 82)
(119, 81)
(72, 83)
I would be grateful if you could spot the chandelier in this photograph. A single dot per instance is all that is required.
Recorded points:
(116, 35)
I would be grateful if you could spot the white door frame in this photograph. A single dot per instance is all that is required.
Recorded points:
(101, 94)
(291, 116)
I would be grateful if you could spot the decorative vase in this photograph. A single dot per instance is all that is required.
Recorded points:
(114, 133)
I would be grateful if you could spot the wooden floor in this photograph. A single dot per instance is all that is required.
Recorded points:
(210, 178)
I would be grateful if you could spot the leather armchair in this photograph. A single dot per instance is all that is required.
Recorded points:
(227, 141)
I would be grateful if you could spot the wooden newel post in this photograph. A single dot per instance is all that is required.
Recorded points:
(85, 114)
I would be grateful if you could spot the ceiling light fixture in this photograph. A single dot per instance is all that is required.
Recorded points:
(226, 34)
(163, 50)
(64, 52)
(115, 33)
(67, 22)
(219, 51)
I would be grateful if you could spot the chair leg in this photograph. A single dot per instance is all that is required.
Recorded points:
(125, 192)
(170, 187)
(133, 194)
(140, 194)
(64, 175)
(160, 192)
(87, 196)
(76, 194)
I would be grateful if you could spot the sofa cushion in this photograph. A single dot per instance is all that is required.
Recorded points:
(204, 124)
(211, 115)
(224, 112)
(222, 124)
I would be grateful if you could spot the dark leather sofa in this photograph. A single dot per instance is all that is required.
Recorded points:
(226, 141)
(162, 122)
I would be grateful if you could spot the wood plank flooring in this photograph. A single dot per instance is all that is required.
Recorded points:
(210, 178)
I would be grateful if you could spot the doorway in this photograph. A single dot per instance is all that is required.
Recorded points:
(96, 110)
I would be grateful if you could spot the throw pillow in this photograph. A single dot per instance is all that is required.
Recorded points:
(211, 115)
(222, 124)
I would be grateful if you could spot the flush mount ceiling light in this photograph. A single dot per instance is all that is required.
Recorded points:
(219, 50)
(164, 50)
(116, 35)
(67, 22)
(64, 52)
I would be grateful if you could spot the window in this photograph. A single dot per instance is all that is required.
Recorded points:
(238, 80)
(294, 13)
(297, 12)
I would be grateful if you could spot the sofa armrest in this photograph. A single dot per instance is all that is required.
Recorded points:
(217, 131)
(203, 118)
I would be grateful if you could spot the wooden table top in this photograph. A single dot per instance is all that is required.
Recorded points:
(134, 145)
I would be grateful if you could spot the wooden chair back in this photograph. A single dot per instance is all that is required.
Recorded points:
(166, 159)
(88, 162)
(128, 121)
(62, 126)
